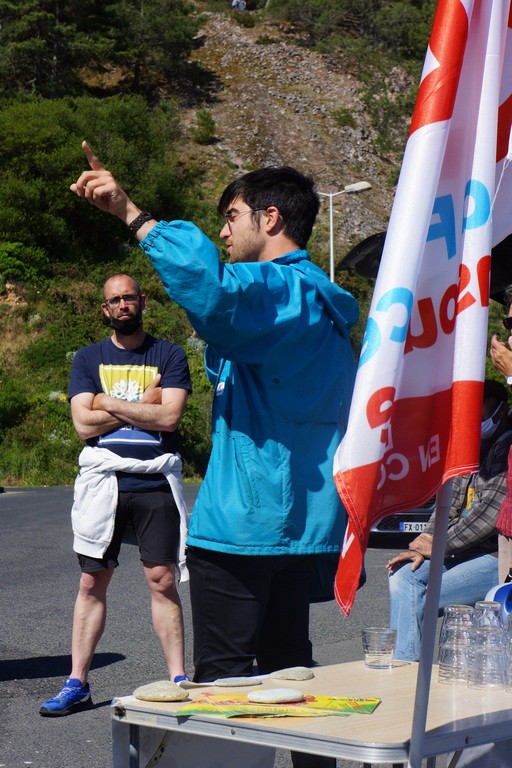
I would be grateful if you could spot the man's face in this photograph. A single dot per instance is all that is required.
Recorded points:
(122, 302)
(245, 240)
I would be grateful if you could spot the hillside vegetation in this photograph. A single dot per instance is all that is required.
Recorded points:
(177, 99)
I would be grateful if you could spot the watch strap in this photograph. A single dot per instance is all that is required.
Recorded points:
(138, 221)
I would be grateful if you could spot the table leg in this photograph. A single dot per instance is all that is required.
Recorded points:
(394, 765)
(305, 760)
(134, 746)
(455, 759)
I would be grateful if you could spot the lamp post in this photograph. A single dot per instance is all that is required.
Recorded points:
(357, 186)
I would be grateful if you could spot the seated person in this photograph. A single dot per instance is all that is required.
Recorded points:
(501, 357)
(471, 556)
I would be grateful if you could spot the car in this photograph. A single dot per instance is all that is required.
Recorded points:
(396, 530)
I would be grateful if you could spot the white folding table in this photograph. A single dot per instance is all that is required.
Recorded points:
(149, 733)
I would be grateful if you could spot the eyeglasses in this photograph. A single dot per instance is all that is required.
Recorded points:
(232, 216)
(507, 322)
(128, 298)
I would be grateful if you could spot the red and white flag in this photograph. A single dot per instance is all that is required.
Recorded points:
(416, 410)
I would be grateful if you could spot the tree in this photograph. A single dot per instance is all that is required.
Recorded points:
(55, 48)
(46, 42)
(404, 28)
(153, 39)
(40, 157)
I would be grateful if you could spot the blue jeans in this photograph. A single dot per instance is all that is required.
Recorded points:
(462, 582)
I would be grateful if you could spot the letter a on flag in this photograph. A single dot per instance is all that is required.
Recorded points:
(416, 411)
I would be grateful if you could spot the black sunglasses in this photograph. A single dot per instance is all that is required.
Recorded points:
(507, 322)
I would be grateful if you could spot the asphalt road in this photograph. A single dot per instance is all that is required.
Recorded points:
(39, 578)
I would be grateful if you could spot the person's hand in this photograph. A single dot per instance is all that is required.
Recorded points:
(415, 558)
(422, 544)
(98, 402)
(501, 356)
(99, 188)
(153, 393)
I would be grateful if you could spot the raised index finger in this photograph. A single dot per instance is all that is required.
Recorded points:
(91, 157)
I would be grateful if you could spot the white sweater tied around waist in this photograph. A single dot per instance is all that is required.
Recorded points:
(96, 495)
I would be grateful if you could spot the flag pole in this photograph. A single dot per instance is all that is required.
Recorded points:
(428, 635)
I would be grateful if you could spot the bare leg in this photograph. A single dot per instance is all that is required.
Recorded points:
(88, 620)
(167, 614)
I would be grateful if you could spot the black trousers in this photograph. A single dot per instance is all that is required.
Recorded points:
(247, 608)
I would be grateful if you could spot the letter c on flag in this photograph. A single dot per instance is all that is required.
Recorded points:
(482, 204)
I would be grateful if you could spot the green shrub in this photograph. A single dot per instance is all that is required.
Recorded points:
(204, 133)
(13, 404)
(22, 262)
(45, 354)
(40, 156)
(344, 118)
(195, 426)
(244, 19)
(265, 40)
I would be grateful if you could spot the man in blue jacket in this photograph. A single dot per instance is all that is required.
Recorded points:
(280, 360)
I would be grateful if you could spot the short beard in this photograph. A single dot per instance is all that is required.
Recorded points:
(126, 327)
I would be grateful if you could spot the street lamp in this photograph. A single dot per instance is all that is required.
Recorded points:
(357, 186)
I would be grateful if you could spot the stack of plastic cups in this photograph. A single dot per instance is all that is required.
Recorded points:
(454, 644)
(486, 660)
(508, 655)
(486, 667)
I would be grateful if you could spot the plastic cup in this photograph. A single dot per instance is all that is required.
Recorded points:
(379, 645)
(486, 663)
(457, 615)
(456, 635)
(453, 663)
(508, 658)
(457, 624)
(487, 614)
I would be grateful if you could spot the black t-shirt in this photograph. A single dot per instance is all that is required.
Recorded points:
(125, 373)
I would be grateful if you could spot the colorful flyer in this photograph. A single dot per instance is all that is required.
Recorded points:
(237, 705)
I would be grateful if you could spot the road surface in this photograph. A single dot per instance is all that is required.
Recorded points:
(38, 588)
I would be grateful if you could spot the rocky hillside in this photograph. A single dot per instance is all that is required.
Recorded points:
(275, 102)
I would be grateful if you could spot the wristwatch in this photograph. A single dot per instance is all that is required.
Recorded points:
(509, 380)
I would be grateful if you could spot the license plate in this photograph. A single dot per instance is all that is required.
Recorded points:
(416, 527)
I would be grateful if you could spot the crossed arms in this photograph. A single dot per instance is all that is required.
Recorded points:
(158, 410)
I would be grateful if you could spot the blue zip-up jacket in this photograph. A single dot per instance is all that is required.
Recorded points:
(281, 362)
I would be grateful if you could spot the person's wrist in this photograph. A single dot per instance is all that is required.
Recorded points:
(99, 401)
(128, 212)
(138, 221)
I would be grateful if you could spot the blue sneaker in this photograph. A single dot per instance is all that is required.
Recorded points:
(181, 678)
(74, 697)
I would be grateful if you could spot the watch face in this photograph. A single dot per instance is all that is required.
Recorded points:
(509, 380)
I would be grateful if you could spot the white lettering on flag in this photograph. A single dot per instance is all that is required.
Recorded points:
(429, 454)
